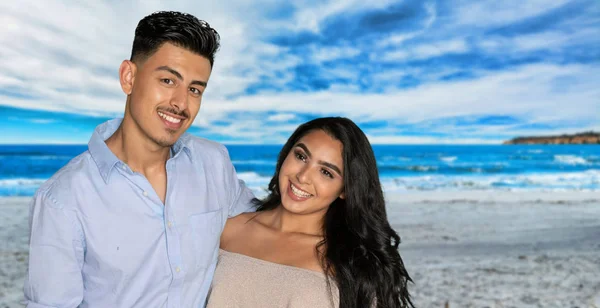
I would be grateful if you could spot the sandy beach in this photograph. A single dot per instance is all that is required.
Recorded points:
(490, 249)
(464, 249)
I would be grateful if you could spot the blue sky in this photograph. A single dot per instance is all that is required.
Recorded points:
(405, 71)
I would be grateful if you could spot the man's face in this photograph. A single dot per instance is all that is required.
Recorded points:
(166, 92)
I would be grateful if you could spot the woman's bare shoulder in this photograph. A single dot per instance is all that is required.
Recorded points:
(235, 226)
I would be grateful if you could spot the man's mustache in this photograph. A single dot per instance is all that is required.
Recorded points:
(174, 111)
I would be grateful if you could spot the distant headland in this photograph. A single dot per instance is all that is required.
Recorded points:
(580, 138)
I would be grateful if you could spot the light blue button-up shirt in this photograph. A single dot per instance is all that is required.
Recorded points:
(101, 237)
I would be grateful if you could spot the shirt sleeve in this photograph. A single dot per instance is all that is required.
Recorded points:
(56, 251)
(240, 195)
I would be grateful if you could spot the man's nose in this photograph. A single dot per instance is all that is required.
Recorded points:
(179, 100)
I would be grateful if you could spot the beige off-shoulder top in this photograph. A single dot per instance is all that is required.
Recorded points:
(241, 281)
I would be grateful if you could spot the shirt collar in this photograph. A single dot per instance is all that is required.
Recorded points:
(182, 145)
(106, 160)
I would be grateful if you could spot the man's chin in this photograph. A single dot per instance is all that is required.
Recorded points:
(167, 137)
(166, 142)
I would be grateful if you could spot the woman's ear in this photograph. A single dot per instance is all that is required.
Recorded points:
(127, 72)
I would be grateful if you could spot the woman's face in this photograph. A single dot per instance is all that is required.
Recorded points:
(312, 175)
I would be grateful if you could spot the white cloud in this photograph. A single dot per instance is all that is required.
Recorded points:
(399, 139)
(281, 117)
(398, 39)
(323, 54)
(425, 51)
(64, 56)
(528, 92)
(310, 17)
(554, 40)
(495, 13)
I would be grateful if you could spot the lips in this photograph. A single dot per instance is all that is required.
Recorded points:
(297, 194)
(170, 120)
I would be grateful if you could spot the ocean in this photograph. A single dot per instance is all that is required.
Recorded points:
(401, 167)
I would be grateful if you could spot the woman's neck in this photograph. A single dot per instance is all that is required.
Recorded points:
(288, 222)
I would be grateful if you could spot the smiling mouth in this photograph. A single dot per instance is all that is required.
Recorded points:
(172, 121)
(299, 192)
(169, 118)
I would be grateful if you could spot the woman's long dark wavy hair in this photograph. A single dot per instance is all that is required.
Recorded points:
(361, 248)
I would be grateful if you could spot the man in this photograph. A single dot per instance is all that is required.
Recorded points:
(135, 221)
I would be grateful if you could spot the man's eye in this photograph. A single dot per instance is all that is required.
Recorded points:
(195, 91)
(167, 81)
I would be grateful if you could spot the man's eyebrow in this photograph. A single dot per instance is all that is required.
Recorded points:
(198, 82)
(324, 163)
(179, 76)
(170, 70)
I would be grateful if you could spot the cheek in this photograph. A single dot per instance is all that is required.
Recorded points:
(151, 91)
(158, 94)
(141, 97)
(194, 108)
(284, 173)
(286, 166)
(328, 189)
(283, 170)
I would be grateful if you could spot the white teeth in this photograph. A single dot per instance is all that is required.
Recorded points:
(299, 192)
(169, 118)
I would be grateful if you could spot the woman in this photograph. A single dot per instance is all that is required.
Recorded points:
(321, 237)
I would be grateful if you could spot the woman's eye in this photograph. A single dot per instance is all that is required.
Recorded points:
(327, 173)
(300, 156)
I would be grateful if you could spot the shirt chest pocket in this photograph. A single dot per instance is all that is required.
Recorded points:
(205, 235)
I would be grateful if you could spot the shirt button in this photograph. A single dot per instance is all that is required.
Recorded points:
(169, 224)
(177, 269)
(145, 194)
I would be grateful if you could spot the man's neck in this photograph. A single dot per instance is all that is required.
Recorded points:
(135, 149)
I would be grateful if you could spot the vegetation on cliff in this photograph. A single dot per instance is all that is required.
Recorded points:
(579, 138)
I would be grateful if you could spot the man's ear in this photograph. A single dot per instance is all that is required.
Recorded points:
(127, 72)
